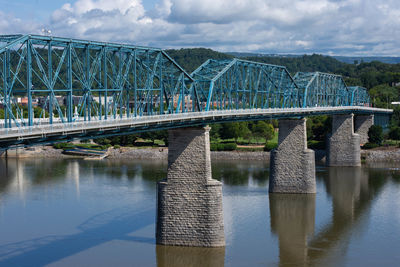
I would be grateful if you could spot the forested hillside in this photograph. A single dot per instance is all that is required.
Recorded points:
(191, 58)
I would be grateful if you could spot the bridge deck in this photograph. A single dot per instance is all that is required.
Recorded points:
(42, 134)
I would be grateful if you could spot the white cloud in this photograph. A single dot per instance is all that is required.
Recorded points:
(286, 26)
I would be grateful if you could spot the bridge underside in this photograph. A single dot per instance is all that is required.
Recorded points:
(47, 134)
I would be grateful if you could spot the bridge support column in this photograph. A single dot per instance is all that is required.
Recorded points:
(362, 123)
(343, 144)
(189, 201)
(292, 163)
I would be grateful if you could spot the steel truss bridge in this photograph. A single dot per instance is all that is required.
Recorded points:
(90, 89)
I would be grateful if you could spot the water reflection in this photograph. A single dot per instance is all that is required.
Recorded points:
(105, 227)
(353, 191)
(172, 256)
(241, 173)
(5, 175)
(20, 174)
(345, 199)
(293, 220)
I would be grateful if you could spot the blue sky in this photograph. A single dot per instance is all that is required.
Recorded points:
(333, 27)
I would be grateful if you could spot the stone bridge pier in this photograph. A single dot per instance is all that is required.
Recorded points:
(189, 201)
(292, 163)
(362, 123)
(343, 144)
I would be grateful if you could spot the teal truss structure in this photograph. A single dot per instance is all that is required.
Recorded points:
(241, 84)
(358, 96)
(51, 81)
(87, 79)
(322, 90)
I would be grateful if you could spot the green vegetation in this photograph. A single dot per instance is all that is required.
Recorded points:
(375, 134)
(66, 146)
(223, 146)
(270, 145)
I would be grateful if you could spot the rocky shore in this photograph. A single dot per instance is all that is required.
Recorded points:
(374, 155)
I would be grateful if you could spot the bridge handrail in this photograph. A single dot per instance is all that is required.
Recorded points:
(121, 122)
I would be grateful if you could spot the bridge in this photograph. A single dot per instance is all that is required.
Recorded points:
(96, 89)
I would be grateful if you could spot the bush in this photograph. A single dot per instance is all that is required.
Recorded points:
(63, 146)
(375, 134)
(314, 144)
(223, 147)
(369, 145)
(117, 146)
(230, 146)
(270, 145)
(213, 147)
(394, 133)
(144, 143)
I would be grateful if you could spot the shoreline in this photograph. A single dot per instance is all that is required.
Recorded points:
(373, 155)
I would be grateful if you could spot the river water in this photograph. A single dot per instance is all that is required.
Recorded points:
(102, 213)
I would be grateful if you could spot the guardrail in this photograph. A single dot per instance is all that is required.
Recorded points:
(101, 125)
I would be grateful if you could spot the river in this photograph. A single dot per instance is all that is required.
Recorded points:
(102, 213)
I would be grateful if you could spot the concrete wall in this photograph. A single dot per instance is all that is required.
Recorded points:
(189, 201)
(362, 123)
(292, 163)
(343, 144)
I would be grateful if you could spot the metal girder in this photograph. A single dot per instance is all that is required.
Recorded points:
(358, 96)
(80, 79)
(322, 89)
(241, 84)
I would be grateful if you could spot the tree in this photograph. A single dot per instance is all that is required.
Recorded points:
(215, 130)
(375, 134)
(382, 95)
(395, 119)
(263, 129)
(234, 130)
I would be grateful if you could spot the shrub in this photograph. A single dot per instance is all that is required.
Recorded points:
(230, 146)
(369, 145)
(63, 146)
(375, 134)
(213, 147)
(144, 143)
(223, 147)
(314, 144)
(394, 133)
(270, 145)
(117, 146)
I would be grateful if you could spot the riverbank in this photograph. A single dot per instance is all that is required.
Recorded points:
(382, 154)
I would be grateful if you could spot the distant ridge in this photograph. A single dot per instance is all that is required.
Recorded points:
(344, 59)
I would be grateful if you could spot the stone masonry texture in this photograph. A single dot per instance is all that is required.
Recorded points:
(292, 163)
(189, 201)
(362, 123)
(343, 144)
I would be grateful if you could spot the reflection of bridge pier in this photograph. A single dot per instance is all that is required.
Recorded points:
(189, 256)
(189, 200)
(292, 219)
(351, 198)
(344, 185)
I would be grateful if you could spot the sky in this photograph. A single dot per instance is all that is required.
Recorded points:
(331, 27)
